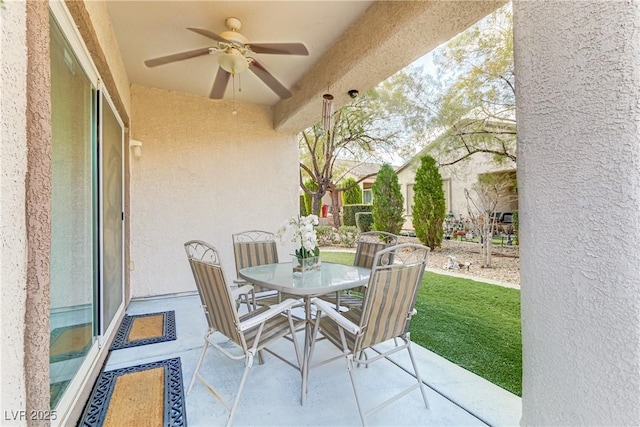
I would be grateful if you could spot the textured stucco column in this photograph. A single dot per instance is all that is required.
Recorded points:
(38, 209)
(13, 170)
(578, 99)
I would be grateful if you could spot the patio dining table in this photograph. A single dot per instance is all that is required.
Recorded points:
(329, 278)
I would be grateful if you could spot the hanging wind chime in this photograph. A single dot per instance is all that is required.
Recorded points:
(327, 106)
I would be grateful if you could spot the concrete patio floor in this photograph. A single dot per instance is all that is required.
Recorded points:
(272, 394)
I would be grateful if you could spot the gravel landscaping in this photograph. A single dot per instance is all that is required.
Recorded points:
(505, 260)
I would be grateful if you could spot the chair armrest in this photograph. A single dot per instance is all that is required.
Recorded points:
(240, 282)
(273, 311)
(242, 290)
(330, 311)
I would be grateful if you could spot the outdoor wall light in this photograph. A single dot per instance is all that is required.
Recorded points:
(353, 93)
(136, 148)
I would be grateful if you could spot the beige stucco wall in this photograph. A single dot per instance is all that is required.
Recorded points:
(13, 168)
(578, 107)
(204, 174)
(101, 25)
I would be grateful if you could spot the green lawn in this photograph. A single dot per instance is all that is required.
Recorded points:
(473, 324)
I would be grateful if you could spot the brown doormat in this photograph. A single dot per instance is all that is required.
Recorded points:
(69, 342)
(146, 395)
(145, 329)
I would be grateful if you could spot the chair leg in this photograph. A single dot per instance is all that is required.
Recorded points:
(195, 372)
(415, 369)
(350, 368)
(295, 341)
(248, 362)
(348, 355)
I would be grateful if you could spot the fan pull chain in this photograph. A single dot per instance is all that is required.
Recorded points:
(233, 94)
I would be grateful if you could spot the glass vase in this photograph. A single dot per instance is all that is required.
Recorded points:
(302, 265)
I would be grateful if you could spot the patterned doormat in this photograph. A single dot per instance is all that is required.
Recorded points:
(69, 342)
(145, 329)
(150, 394)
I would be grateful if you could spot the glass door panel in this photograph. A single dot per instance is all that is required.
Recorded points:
(73, 265)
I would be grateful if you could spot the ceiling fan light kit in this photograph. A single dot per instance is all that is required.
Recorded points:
(233, 62)
(234, 48)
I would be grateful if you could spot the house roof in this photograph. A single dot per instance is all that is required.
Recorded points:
(430, 148)
(357, 169)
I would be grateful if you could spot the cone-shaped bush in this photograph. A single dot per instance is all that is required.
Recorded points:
(387, 201)
(428, 203)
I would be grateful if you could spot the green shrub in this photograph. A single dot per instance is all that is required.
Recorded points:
(303, 206)
(348, 236)
(349, 213)
(364, 221)
(387, 201)
(308, 200)
(352, 196)
(428, 203)
(326, 234)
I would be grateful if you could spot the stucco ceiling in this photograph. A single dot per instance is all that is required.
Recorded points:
(352, 45)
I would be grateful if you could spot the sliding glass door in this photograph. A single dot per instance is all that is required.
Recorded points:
(73, 214)
(87, 232)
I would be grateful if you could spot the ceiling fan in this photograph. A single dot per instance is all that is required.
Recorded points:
(234, 48)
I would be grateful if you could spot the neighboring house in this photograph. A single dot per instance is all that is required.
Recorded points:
(344, 169)
(455, 180)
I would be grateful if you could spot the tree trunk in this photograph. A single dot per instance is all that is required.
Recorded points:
(487, 244)
(316, 203)
(335, 202)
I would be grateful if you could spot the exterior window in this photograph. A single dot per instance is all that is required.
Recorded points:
(409, 199)
(367, 197)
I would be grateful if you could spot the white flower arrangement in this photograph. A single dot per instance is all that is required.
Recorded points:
(299, 230)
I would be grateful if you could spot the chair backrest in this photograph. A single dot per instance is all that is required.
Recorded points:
(201, 251)
(371, 242)
(215, 295)
(391, 293)
(254, 247)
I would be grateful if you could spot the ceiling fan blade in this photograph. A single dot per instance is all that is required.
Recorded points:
(219, 84)
(208, 33)
(280, 48)
(262, 73)
(176, 57)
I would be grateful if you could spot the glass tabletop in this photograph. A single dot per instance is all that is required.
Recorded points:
(329, 278)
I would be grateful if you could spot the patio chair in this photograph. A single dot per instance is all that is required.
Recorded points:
(251, 332)
(203, 251)
(384, 317)
(252, 248)
(368, 244)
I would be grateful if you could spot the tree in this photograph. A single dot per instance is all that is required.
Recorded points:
(387, 201)
(357, 133)
(428, 203)
(352, 196)
(482, 202)
(470, 97)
